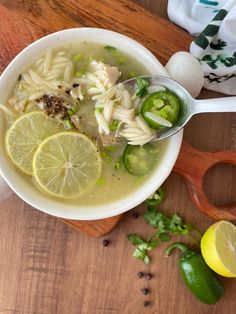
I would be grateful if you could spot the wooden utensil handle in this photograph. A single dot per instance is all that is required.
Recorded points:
(193, 164)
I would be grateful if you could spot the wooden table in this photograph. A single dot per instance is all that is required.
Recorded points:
(46, 267)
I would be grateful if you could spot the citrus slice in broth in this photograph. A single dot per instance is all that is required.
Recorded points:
(67, 165)
(25, 135)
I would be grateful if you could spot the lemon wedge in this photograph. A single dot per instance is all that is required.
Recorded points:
(67, 165)
(218, 246)
(25, 135)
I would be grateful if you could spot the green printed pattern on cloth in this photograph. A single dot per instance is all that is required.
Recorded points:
(210, 31)
(216, 56)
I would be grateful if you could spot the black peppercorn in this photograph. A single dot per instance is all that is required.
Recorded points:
(148, 276)
(135, 215)
(106, 242)
(146, 303)
(140, 274)
(145, 291)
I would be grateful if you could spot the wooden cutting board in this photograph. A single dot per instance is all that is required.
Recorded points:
(157, 34)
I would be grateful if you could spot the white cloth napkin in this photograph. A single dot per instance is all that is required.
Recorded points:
(214, 22)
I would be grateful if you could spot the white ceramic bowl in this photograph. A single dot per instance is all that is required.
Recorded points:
(27, 191)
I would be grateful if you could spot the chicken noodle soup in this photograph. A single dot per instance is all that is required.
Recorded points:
(76, 131)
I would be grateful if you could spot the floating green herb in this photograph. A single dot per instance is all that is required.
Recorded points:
(78, 57)
(132, 74)
(106, 156)
(142, 86)
(115, 53)
(68, 124)
(118, 164)
(114, 125)
(101, 181)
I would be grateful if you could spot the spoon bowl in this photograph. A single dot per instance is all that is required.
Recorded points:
(189, 105)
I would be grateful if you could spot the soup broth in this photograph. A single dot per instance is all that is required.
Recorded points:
(115, 181)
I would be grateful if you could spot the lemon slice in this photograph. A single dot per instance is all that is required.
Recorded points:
(218, 246)
(67, 165)
(25, 135)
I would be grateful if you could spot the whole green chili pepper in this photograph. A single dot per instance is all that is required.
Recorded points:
(198, 277)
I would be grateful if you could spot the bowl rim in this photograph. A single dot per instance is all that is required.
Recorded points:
(112, 208)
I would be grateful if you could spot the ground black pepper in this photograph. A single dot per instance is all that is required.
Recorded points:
(20, 77)
(75, 85)
(54, 105)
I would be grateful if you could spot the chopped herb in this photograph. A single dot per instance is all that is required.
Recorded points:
(98, 110)
(118, 164)
(106, 156)
(114, 125)
(165, 226)
(115, 53)
(91, 58)
(101, 181)
(75, 85)
(111, 148)
(72, 110)
(142, 85)
(138, 180)
(79, 74)
(142, 247)
(110, 48)
(132, 74)
(68, 124)
(101, 59)
(78, 57)
(20, 77)
(121, 60)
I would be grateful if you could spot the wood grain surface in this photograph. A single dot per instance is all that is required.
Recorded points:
(46, 267)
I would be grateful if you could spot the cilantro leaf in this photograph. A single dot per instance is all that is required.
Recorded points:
(135, 239)
(142, 247)
(164, 226)
(142, 85)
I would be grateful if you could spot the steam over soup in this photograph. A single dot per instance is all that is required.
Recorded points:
(75, 131)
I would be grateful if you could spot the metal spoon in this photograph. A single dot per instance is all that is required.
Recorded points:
(189, 105)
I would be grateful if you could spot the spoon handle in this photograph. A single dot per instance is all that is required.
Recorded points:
(223, 104)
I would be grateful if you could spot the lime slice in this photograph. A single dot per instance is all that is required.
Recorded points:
(218, 246)
(67, 165)
(25, 135)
